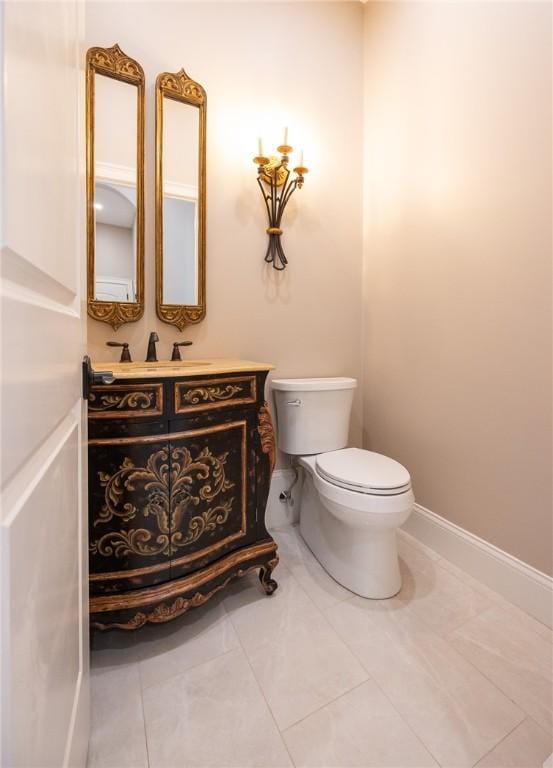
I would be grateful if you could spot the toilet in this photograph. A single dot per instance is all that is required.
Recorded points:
(352, 500)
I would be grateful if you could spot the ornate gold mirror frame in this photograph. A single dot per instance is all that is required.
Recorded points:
(179, 87)
(113, 63)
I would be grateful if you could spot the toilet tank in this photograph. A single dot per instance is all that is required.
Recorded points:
(313, 414)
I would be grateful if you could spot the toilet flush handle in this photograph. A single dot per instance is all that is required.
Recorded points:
(295, 403)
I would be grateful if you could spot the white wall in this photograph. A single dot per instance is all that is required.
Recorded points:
(180, 279)
(306, 321)
(458, 261)
(114, 251)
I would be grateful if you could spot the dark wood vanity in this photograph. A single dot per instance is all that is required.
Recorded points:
(180, 460)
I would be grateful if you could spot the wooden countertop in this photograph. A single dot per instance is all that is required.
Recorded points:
(172, 368)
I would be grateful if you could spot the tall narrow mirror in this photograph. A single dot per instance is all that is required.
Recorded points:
(115, 186)
(180, 199)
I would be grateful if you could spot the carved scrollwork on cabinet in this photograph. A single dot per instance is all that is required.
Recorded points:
(211, 394)
(267, 434)
(166, 507)
(215, 393)
(169, 607)
(125, 401)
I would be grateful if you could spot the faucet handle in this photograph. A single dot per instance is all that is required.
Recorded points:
(125, 352)
(176, 350)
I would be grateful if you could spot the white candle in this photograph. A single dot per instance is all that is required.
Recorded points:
(285, 136)
(301, 158)
(259, 147)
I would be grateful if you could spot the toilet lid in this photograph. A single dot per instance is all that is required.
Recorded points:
(363, 471)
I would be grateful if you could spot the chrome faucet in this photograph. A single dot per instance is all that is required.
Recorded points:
(151, 356)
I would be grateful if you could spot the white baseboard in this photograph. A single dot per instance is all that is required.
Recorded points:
(279, 514)
(526, 587)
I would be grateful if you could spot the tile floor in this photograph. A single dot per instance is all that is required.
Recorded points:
(447, 673)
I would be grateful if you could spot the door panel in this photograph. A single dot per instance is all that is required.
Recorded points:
(129, 515)
(212, 493)
(44, 575)
(43, 608)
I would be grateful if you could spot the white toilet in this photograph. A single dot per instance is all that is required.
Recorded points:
(352, 500)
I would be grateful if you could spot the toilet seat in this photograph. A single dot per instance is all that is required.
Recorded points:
(361, 471)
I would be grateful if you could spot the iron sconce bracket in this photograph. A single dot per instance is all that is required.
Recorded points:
(277, 187)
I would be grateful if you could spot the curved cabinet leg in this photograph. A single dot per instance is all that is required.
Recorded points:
(265, 572)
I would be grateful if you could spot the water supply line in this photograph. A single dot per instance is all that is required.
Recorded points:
(286, 495)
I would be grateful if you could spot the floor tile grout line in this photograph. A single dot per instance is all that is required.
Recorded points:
(263, 695)
(496, 597)
(430, 628)
(459, 626)
(407, 723)
(490, 681)
(495, 746)
(143, 713)
(297, 534)
(188, 669)
(328, 703)
(417, 544)
(548, 733)
(309, 598)
(321, 612)
(496, 601)
(495, 685)
(400, 715)
(369, 677)
(493, 602)
(192, 666)
(446, 638)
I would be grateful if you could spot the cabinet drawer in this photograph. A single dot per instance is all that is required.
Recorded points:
(125, 401)
(214, 393)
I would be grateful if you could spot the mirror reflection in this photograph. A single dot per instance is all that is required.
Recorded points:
(115, 190)
(180, 173)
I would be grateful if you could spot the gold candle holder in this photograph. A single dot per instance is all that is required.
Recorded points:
(277, 187)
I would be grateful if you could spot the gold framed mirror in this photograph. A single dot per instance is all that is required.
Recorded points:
(180, 199)
(114, 186)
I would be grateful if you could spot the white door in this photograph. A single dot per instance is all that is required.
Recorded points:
(43, 590)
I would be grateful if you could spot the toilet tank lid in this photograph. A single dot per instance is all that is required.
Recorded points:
(312, 385)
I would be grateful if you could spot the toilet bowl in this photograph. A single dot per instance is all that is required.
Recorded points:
(352, 500)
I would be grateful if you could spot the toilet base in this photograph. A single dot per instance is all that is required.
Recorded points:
(363, 559)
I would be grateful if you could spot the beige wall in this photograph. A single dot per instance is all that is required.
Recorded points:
(456, 284)
(307, 321)
(458, 261)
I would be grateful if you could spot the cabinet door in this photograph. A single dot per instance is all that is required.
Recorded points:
(213, 509)
(129, 513)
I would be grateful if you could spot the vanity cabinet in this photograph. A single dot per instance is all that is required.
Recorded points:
(179, 472)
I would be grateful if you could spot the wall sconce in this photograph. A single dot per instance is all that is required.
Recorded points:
(277, 187)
